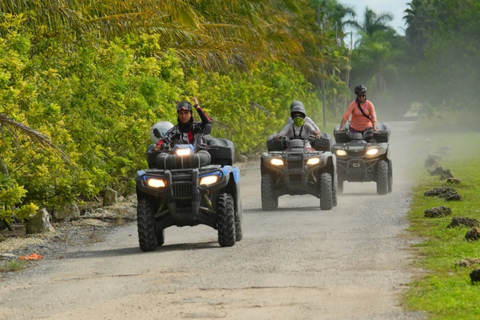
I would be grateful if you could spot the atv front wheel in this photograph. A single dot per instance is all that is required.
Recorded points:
(146, 225)
(382, 177)
(326, 191)
(269, 201)
(226, 220)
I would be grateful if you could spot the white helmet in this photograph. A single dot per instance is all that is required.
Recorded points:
(160, 129)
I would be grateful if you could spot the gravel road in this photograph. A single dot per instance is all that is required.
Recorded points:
(297, 262)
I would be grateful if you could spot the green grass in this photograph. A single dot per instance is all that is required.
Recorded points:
(444, 291)
(13, 265)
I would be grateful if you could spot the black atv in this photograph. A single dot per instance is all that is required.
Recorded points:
(187, 186)
(364, 157)
(288, 168)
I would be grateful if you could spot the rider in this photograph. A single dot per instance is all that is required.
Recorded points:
(186, 129)
(307, 119)
(362, 112)
(298, 128)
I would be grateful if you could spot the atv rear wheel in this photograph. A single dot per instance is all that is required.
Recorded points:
(226, 220)
(269, 201)
(146, 224)
(390, 178)
(340, 186)
(334, 194)
(160, 238)
(326, 191)
(382, 177)
(238, 222)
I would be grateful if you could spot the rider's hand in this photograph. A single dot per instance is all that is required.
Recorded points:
(318, 136)
(195, 102)
(277, 137)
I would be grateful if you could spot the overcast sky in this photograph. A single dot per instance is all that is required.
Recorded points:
(395, 7)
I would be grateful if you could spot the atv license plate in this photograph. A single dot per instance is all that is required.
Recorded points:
(356, 164)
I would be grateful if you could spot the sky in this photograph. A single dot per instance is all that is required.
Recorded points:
(395, 7)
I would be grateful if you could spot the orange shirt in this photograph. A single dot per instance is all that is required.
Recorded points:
(359, 121)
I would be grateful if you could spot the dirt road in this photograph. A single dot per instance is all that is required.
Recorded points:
(295, 263)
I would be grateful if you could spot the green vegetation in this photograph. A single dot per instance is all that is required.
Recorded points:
(13, 265)
(445, 290)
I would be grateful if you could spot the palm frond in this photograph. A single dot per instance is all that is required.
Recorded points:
(14, 126)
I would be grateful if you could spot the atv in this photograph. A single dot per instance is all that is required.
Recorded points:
(289, 168)
(189, 185)
(364, 157)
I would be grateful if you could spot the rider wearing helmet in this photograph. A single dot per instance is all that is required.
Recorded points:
(298, 127)
(362, 112)
(186, 130)
(307, 119)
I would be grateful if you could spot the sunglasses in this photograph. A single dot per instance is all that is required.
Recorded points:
(360, 95)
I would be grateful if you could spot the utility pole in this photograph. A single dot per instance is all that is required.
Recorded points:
(349, 67)
(320, 24)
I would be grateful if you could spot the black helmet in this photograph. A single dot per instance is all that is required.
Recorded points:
(184, 105)
(299, 108)
(360, 89)
(295, 103)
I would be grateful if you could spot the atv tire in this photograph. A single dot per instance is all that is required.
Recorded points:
(160, 238)
(238, 222)
(146, 225)
(269, 201)
(334, 194)
(390, 178)
(326, 191)
(382, 177)
(226, 220)
(340, 186)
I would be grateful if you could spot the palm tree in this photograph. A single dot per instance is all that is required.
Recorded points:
(213, 34)
(375, 60)
(373, 22)
(420, 20)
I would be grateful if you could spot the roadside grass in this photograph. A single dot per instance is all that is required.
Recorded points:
(13, 265)
(444, 290)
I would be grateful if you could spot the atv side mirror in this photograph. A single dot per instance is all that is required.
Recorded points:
(157, 133)
(207, 129)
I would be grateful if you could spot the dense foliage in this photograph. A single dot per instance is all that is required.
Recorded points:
(445, 37)
(97, 103)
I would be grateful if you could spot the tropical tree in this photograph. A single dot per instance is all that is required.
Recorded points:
(420, 20)
(373, 22)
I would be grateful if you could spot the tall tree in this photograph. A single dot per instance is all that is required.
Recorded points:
(373, 22)
(420, 20)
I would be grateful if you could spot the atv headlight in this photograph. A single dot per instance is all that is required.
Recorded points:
(209, 180)
(276, 162)
(183, 149)
(183, 152)
(156, 183)
(313, 161)
(372, 152)
(341, 153)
